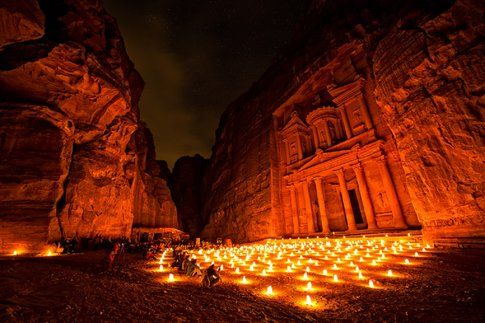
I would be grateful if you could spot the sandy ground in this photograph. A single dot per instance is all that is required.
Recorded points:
(446, 286)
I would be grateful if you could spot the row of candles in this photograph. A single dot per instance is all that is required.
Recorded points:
(47, 253)
(336, 255)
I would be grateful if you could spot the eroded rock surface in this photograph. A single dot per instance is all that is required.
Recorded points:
(430, 77)
(69, 117)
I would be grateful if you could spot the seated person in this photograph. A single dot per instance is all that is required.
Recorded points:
(196, 272)
(212, 276)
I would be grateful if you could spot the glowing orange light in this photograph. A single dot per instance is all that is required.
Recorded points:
(335, 278)
(371, 284)
(171, 278)
(389, 273)
(15, 253)
(269, 290)
(309, 286)
(308, 300)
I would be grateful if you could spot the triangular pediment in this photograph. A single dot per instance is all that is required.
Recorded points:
(294, 123)
(321, 157)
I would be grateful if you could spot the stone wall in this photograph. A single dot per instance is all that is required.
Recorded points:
(70, 163)
(424, 61)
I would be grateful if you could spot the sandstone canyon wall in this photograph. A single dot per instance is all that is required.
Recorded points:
(186, 186)
(74, 159)
(404, 82)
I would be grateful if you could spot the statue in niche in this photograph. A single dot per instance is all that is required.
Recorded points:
(382, 201)
(333, 132)
(315, 212)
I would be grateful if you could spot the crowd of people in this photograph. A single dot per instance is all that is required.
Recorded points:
(190, 268)
(116, 250)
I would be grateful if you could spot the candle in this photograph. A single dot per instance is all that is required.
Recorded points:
(309, 286)
(269, 290)
(308, 300)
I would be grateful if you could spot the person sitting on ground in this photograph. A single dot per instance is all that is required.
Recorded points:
(212, 275)
(196, 272)
(185, 261)
(189, 268)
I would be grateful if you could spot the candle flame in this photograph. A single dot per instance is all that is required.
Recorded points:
(308, 300)
(269, 290)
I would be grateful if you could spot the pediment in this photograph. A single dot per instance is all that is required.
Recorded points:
(294, 122)
(321, 157)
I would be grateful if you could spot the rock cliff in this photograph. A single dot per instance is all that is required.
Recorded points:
(423, 65)
(186, 186)
(75, 160)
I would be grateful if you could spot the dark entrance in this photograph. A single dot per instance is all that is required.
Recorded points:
(355, 207)
(144, 237)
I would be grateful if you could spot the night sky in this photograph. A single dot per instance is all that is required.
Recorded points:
(196, 57)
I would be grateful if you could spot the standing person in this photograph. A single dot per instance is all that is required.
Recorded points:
(112, 255)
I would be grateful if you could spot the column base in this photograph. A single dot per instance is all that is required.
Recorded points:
(401, 226)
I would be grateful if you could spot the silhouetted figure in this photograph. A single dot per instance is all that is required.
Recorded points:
(211, 277)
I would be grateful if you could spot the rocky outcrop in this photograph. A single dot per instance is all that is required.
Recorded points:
(186, 186)
(153, 202)
(422, 62)
(70, 158)
(430, 77)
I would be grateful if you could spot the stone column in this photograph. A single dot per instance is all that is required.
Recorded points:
(391, 193)
(365, 114)
(308, 204)
(294, 210)
(328, 137)
(298, 146)
(321, 205)
(349, 213)
(315, 137)
(345, 120)
(301, 207)
(364, 193)
(287, 150)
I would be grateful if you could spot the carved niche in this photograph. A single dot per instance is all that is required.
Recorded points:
(326, 127)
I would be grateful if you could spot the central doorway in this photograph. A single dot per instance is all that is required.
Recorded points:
(359, 219)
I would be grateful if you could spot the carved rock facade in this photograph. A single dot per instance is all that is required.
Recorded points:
(71, 158)
(370, 119)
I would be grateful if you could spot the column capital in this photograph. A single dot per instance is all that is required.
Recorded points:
(381, 159)
(318, 179)
(357, 165)
(339, 172)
